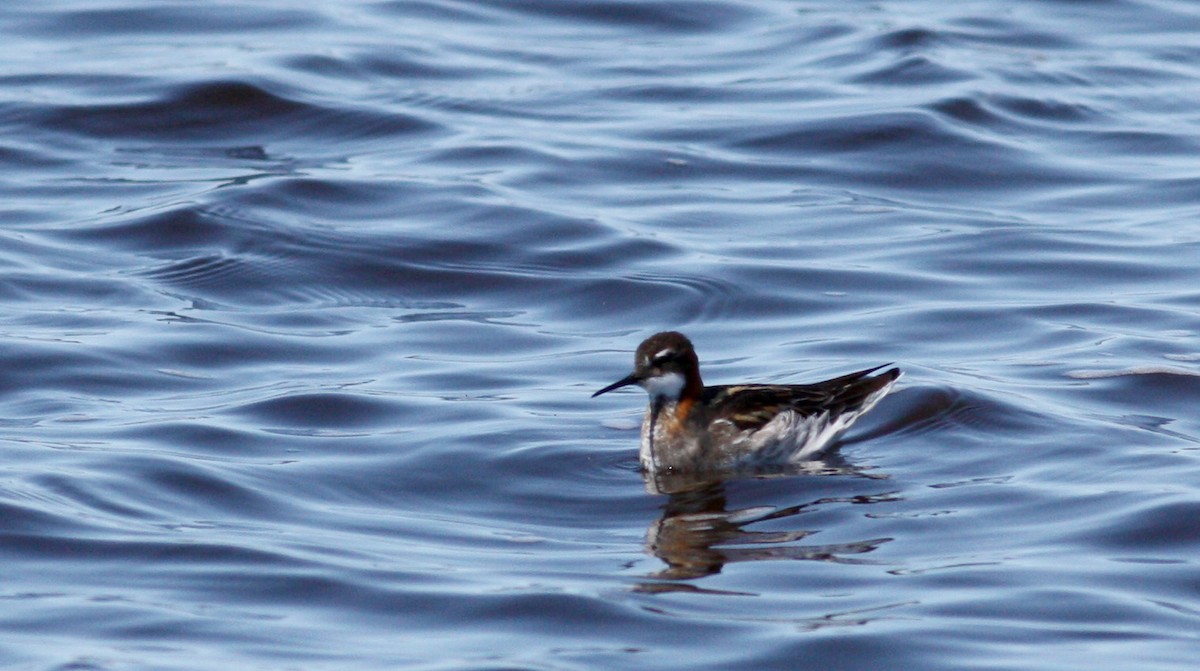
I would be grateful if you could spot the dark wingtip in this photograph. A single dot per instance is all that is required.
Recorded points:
(888, 376)
(891, 374)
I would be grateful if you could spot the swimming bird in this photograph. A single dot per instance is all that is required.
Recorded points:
(691, 427)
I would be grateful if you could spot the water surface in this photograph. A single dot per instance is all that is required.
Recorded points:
(301, 309)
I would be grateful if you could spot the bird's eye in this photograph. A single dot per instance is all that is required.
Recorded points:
(663, 357)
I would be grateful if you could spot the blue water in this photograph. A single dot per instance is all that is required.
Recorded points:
(301, 307)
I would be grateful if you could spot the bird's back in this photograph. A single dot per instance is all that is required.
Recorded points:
(767, 423)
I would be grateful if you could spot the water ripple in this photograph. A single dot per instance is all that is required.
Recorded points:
(303, 309)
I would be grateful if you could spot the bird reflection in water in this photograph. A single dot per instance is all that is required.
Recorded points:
(698, 535)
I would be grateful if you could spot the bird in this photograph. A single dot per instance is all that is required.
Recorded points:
(689, 427)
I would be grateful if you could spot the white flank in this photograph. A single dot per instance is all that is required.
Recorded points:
(789, 437)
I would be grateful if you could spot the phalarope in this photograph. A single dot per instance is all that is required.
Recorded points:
(691, 427)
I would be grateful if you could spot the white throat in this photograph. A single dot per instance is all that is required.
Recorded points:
(667, 386)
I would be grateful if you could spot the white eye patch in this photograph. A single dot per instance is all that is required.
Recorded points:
(668, 385)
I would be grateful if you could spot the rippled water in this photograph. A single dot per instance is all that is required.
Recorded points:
(301, 309)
